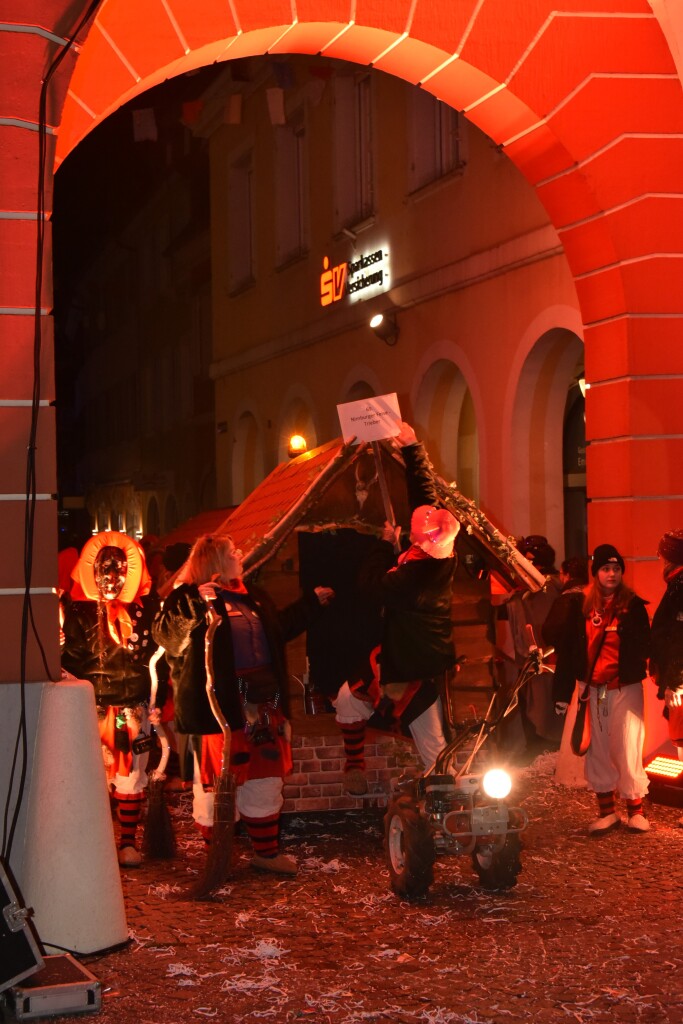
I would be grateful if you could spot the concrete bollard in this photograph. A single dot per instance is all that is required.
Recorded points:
(70, 873)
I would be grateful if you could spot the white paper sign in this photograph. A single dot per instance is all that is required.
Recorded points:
(371, 419)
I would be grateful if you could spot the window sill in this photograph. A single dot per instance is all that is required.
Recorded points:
(291, 259)
(243, 286)
(430, 187)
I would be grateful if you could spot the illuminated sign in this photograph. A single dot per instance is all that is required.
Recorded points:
(356, 279)
(332, 282)
(368, 275)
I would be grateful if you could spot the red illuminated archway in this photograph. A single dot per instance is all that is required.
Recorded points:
(585, 100)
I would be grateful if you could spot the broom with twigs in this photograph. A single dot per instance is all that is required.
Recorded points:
(219, 855)
(158, 842)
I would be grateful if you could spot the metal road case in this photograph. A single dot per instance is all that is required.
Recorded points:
(19, 952)
(62, 986)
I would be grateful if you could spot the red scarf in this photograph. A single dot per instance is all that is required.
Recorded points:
(236, 586)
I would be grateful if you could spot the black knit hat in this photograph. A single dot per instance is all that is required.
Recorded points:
(671, 547)
(542, 553)
(603, 555)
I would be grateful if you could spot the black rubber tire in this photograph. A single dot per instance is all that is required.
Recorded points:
(409, 848)
(500, 871)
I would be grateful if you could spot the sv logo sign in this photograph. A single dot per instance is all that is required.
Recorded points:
(332, 282)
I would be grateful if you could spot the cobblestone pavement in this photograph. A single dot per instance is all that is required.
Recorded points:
(591, 933)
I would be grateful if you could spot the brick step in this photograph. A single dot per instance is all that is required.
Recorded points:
(317, 779)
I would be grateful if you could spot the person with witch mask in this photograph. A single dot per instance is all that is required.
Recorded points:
(107, 640)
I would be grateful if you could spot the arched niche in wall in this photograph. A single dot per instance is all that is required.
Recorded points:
(152, 522)
(207, 492)
(103, 519)
(297, 419)
(170, 513)
(358, 391)
(537, 435)
(134, 518)
(446, 422)
(247, 459)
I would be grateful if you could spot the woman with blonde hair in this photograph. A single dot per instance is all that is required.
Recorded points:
(604, 642)
(250, 680)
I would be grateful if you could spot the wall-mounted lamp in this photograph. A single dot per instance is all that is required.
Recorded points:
(385, 327)
(297, 446)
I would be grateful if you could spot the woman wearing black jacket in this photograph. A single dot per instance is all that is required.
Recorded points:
(603, 640)
(250, 681)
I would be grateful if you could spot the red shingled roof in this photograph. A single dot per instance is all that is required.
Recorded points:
(337, 485)
(330, 486)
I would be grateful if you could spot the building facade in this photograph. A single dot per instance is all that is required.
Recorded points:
(339, 193)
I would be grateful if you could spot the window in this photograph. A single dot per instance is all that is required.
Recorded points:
(291, 182)
(354, 150)
(241, 222)
(437, 139)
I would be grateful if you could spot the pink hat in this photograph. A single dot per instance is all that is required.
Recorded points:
(434, 530)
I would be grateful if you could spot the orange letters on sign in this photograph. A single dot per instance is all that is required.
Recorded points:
(332, 282)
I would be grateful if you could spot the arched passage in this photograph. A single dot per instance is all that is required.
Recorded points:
(537, 432)
(586, 101)
(444, 413)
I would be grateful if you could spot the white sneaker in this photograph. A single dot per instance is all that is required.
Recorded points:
(129, 857)
(604, 824)
(638, 823)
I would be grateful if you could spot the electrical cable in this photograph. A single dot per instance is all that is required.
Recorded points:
(20, 753)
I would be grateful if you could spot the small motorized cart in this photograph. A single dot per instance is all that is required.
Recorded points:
(460, 806)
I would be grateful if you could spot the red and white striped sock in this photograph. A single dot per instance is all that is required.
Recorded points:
(264, 834)
(634, 806)
(606, 804)
(353, 735)
(129, 812)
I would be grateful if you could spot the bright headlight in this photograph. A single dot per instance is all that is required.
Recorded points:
(497, 784)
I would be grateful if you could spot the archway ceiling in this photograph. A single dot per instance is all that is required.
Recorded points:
(585, 99)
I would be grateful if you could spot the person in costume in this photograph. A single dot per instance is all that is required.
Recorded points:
(251, 684)
(107, 639)
(604, 641)
(400, 690)
(574, 579)
(666, 660)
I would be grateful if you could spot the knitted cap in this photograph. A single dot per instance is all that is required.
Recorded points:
(434, 530)
(603, 555)
(671, 547)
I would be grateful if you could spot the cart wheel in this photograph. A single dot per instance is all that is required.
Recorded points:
(409, 848)
(498, 869)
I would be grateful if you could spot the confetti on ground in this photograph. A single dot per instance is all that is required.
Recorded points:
(339, 947)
